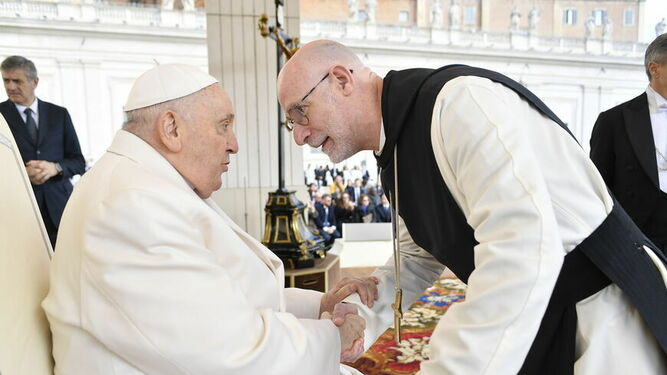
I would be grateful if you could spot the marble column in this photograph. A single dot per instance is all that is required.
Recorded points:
(245, 64)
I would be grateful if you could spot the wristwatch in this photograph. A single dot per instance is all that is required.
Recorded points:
(59, 168)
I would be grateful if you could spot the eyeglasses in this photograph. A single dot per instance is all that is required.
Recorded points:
(296, 114)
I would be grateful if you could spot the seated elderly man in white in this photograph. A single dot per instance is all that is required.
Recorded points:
(151, 277)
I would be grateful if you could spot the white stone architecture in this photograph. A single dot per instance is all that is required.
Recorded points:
(576, 79)
(88, 53)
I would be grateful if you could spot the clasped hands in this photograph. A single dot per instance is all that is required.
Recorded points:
(345, 316)
(39, 171)
(330, 229)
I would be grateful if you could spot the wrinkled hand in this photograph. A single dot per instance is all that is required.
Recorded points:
(39, 171)
(366, 288)
(351, 333)
(340, 312)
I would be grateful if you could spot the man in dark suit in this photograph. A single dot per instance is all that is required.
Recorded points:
(46, 140)
(355, 191)
(629, 146)
(383, 211)
(326, 220)
(335, 172)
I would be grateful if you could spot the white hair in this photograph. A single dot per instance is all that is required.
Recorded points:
(139, 120)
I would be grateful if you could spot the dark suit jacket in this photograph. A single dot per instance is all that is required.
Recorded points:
(320, 219)
(382, 215)
(335, 172)
(623, 150)
(56, 142)
(359, 214)
(350, 190)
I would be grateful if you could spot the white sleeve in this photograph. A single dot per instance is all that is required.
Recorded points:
(418, 271)
(168, 307)
(303, 303)
(486, 159)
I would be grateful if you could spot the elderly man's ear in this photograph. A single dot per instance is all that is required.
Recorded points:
(170, 131)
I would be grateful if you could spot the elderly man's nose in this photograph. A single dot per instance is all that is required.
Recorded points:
(233, 146)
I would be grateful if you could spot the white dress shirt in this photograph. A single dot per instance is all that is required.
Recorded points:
(657, 107)
(35, 111)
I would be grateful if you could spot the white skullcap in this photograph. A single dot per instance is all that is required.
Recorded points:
(166, 82)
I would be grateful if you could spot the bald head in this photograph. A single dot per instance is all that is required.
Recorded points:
(316, 57)
(332, 99)
(311, 62)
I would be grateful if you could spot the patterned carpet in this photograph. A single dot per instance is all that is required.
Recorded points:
(387, 358)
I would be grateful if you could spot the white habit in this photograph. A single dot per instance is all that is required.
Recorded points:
(531, 194)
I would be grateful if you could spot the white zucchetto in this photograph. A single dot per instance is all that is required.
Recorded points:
(166, 82)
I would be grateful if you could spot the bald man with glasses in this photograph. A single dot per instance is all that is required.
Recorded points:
(492, 185)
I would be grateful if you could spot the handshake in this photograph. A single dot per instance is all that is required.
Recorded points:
(345, 315)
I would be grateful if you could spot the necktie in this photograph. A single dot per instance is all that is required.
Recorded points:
(326, 217)
(30, 125)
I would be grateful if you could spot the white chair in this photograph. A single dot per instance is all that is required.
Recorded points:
(25, 252)
(367, 232)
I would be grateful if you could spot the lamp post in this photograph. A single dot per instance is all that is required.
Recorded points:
(285, 230)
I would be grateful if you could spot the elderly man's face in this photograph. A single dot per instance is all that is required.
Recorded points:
(19, 88)
(211, 142)
(325, 111)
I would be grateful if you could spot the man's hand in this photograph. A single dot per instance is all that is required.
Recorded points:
(340, 313)
(39, 171)
(366, 288)
(351, 333)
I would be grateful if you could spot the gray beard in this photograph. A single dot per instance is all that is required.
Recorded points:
(341, 152)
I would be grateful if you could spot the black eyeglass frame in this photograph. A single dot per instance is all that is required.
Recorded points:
(289, 124)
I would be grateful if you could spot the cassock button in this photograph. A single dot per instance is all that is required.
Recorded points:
(38, 152)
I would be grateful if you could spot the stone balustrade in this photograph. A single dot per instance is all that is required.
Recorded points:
(99, 12)
(523, 40)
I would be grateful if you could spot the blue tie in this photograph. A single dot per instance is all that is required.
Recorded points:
(30, 125)
(326, 217)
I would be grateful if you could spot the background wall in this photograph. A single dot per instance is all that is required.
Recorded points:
(245, 63)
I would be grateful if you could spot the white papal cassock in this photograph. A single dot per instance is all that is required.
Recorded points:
(148, 278)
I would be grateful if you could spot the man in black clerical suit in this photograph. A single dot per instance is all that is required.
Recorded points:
(46, 140)
(629, 146)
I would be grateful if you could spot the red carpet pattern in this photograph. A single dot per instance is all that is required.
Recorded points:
(385, 357)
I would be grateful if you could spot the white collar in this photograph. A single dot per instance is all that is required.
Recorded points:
(655, 100)
(34, 107)
(135, 148)
(383, 139)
